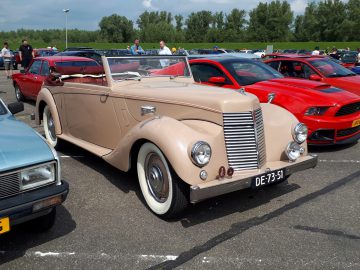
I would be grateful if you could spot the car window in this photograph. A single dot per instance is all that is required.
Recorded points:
(331, 69)
(203, 72)
(274, 65)
(45, 69)
(251, 71)
(35, 67)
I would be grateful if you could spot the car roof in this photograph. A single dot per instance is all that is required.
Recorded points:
(64, 58)
(224, 58)
(294, 55)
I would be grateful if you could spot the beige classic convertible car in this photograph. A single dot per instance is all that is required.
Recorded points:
(188, 142)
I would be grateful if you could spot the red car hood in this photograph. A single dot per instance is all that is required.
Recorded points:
(351, 84)
(311, 92)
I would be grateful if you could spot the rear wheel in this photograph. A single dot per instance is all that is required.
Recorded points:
(164, 193)
(49, 128)
(18, 94)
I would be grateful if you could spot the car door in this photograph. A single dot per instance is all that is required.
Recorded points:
(202, 72)
(90, 114)
(39, 79)
(29, 80)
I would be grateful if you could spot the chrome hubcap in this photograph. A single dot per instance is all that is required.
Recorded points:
(156, 177)
(17, 92)
(51, 127)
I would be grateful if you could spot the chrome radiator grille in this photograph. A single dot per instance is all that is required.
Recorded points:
(244, 140)
(9, 185)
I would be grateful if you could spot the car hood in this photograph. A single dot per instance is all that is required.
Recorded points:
(20, 145)
(348, 83)
(313, 93)
(186, 100)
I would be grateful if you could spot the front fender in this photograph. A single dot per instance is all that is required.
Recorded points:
(45, 98)
(278, 125)
(175, 139)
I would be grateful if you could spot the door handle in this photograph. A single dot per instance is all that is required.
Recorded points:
(148, 109)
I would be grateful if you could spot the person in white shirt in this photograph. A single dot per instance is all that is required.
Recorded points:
(316, 51)
(6, 54)
(164, 50)
(358, 56)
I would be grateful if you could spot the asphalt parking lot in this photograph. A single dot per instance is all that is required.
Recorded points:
(310, 222)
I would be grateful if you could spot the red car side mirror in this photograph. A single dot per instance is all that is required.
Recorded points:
(216, 80)
(315, 77)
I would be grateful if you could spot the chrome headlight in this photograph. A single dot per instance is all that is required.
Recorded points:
(201, 153)
(37, 176)
(300, 133)
(294, 150)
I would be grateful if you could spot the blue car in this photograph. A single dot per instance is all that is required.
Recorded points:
(356, 69)
(30, 180)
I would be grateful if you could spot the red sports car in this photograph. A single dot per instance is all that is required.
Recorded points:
(317, 69)
(331, 114)
(28, 83)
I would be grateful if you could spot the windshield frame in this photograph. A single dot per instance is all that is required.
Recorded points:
(231, 69)
(160, 57)
(347, 72)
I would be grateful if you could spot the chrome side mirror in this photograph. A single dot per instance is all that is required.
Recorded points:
(271, 97)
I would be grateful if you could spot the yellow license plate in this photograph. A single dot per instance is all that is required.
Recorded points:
(356, 123)
(4, 225)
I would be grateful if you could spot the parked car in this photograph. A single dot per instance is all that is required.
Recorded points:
(356, 70)
(349, 58)
(260, 53)
(85, 53)
(331, 114)
(30, 179)
(187, 142)
(78, 49)
(28, 83)
(317, 69)
(43, 52)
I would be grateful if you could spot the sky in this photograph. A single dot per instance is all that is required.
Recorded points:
(86, 14)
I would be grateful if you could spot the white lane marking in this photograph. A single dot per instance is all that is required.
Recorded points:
(339, 161)
(50, 254)
(158, 257)
(65, 156)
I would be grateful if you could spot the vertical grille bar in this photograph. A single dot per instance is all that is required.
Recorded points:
(244, 140)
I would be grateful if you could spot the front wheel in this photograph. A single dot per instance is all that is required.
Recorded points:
(164, 193)
(49, 128)
(18, 94)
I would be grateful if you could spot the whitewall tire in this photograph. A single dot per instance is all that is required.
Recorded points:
(164, 193)
(49, 128)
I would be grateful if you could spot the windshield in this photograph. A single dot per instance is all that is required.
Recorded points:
(250, 72)
(330, 69)
(2, 109)
(137, 67)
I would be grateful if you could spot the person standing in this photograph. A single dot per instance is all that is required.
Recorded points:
(164, 50)
(358, 56)
(316, 51)
(7, 55)
(26, 54)
(136, 48)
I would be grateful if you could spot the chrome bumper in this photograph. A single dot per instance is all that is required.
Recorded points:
(198, 194)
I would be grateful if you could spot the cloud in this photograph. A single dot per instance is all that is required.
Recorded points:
(147, 3)
(298, 6)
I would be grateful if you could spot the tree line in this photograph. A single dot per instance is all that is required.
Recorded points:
(327, 20)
